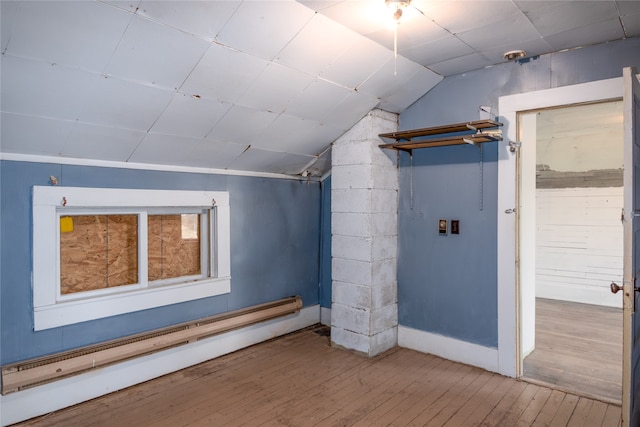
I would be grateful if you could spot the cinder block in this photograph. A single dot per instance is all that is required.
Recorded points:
(353, 224)
(350, 247)
(381, 200)
(384, 224)
(384, 294)
(383, 318)
(386, 120)
(351, 318)
(350, 340)
(361, 131)
(349, 153)
(384, 247)
(351, 271)
(383, 271)
(383, 341)
(384, 177)
(355, 200)
(352, 176)
(374, 123)
(352, 295)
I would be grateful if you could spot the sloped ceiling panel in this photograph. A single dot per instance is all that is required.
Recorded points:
(242, 85)
(261, 86)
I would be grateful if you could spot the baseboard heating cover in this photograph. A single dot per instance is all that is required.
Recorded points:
(38, 371)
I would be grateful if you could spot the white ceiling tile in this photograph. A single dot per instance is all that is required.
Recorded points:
(512, 28)
(319, 5)
(357, 63)
(394, 74)
(213, 154)
(628, 7)
(322, 138)
(33, 135)
(104, 143)
(40, 89)
(289, 134)
(413, 87)
(631, 23)
(241, 125)
(255, 159)
(164, 149)
(436, 51)
(350, 110)
(467, 62)
(317, 100)
(275, 88)
(190, 116)
(457, 16)
(128, 5)
(318, 44)
(558, 17)
(203, 18)
(263, 28)
(9, 15)
(534, 6)
(151, 53)
(584, 36)
(223, 74)
(411, 33)
(321, 164)
(123, 104)
(82, 34)
(362, 16)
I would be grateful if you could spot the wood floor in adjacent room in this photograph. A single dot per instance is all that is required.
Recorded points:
(578, 348)
(300, 380)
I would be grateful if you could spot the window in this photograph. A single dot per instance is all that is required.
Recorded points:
(102, 252)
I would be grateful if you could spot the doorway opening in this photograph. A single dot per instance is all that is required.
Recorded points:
(570, 247)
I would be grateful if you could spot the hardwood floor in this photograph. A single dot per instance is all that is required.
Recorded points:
(300, 380)
(578, 349)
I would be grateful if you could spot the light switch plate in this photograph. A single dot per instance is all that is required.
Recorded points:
(455, 226)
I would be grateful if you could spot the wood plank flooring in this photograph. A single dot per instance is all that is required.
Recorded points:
(578, 349)
(300, 380)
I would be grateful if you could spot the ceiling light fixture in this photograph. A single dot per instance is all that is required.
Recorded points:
(397, 8)
(512, 55)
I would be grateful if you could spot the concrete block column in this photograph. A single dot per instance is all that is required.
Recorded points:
(364, 224)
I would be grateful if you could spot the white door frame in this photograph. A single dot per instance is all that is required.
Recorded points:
(509, 106)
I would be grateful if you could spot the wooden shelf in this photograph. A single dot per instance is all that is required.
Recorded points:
(404, 140)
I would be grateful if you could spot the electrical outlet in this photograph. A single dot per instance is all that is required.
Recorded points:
(442, 226)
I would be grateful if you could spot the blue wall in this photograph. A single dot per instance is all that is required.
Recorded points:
(325, 249)
(275, 250)
(448, 284)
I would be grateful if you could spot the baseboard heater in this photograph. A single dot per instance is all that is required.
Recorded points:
(30, 373)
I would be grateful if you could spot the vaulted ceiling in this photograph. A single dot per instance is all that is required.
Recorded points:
(262, 86)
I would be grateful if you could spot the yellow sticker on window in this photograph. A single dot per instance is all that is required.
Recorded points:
(66, 224)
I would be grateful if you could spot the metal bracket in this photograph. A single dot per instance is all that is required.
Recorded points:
(514, 145)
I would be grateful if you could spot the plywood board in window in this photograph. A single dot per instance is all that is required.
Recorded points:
(171, 255)
(100, 252)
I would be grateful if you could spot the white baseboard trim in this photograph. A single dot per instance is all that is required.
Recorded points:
(325, 316)
(597, 295)
(29, 403)
(448, 348)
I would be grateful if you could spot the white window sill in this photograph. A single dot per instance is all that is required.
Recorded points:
(65, 313)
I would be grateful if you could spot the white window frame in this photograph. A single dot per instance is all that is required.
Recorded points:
(50, 309)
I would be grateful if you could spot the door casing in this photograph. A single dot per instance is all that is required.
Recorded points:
(508, 297)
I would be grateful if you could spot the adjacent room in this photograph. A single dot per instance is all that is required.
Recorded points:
(319, 212)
